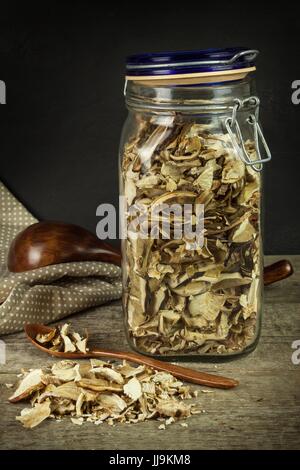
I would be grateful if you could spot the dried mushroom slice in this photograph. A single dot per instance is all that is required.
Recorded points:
(32, 417)
(99, 385)
(192, 288)
(207, 305)
(66, 370)
(244, 232)
(128, 371)
(173, 408)
(233, 170)
(110, 374)
(67, 390)
(133, 389)
(112, 402)
(46, 338)
(32, 382)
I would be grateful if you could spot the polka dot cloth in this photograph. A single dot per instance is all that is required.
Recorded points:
(50, 293)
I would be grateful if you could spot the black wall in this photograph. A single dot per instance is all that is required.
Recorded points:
(63, 65)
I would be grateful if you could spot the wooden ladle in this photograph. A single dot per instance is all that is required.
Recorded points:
(183, 373)
(46, 243)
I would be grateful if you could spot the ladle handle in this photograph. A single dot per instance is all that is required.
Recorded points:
(277, 272)
(183, 373)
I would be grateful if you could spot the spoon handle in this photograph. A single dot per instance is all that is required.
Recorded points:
(277, 271)
(183, 373)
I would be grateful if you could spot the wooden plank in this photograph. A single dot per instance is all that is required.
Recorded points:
(262, 413)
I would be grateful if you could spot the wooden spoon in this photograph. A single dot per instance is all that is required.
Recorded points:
(46, 243)
(183, 373)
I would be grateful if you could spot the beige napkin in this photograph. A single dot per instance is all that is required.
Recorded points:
(46, 294)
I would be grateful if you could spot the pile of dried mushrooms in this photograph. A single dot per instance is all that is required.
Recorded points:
(99, 392)
(204, 300)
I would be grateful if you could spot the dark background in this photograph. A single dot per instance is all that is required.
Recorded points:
(63, 64)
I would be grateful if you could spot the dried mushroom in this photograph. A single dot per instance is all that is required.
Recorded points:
(133, 389)
(32, 382)
(178, 299)
(31, 417)
(63, 339)
(142, 394)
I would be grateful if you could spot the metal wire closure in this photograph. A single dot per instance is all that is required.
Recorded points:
(125, 87)
(235, 134)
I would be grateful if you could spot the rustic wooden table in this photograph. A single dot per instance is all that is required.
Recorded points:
(262, 413)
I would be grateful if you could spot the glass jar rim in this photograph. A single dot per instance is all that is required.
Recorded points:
(215, 97)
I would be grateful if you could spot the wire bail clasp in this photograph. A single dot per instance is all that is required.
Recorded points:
(235, 134)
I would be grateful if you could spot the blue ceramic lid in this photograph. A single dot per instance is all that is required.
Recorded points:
(187, 62)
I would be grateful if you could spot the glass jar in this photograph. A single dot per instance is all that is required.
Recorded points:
(192, 274)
